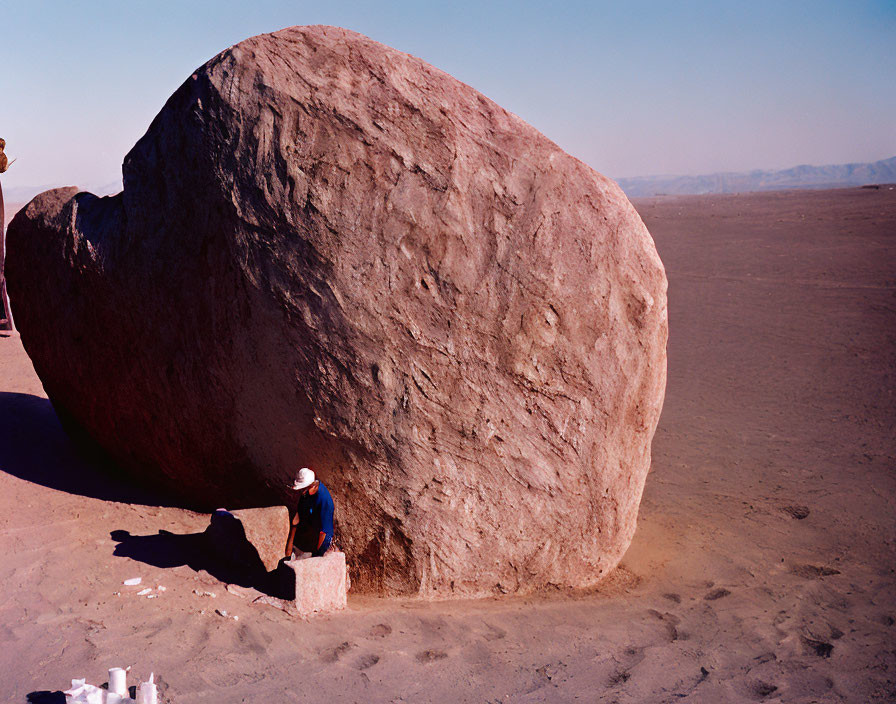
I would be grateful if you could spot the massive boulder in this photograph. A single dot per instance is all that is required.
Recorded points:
(329, 253)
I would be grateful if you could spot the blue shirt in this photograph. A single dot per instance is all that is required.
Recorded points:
(316, 512)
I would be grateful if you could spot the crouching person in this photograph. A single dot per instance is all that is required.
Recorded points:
(312, 520)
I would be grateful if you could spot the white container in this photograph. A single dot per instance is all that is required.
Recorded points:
(147, 692)
(118, 681)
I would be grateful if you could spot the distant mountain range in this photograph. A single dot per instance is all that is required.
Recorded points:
(23, 194)
(835, 176)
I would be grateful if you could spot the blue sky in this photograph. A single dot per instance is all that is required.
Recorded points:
(631, 88)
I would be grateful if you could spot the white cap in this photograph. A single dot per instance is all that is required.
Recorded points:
(304, 479)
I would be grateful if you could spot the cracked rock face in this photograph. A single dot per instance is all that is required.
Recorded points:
(330, 254)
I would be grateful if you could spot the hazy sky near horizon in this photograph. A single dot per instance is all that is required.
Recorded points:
(631, 88)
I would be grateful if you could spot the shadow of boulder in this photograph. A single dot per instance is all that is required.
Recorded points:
(35, 446)
(197, 551)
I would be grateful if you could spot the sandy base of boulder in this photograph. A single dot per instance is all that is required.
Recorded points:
(761, 570)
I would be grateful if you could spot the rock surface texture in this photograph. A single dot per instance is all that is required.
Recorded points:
(330, 254)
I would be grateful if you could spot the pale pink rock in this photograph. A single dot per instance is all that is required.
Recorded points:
(321, 584)
(331, 254)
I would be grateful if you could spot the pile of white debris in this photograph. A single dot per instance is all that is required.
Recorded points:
(83, 693)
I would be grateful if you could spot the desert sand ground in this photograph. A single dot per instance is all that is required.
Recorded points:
(762, 570)
(10, 210)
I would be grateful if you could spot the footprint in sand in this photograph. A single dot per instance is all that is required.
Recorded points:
(813, 571)
(365, 661)
(494, 633)
(380, 630)
(253, 640)
(817, 647)
(797, 512)
(669, 621)
(762, 689)
(618, 677)
(629, 659)
(335, 653)
(431, 655)
(672, 597)
(547, 673)
(716, 594)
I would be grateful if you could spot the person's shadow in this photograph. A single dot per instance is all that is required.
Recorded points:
(45, 696)
(35, 447)
(196, 551)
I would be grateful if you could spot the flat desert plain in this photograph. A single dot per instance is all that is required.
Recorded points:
(10, 210)
(762, 569)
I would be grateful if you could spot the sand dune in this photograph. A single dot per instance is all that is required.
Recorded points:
(762, 569)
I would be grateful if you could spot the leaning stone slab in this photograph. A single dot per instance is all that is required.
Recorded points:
(251, 536)
(321, 583)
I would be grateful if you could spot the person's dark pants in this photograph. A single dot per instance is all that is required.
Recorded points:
(324, 546)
